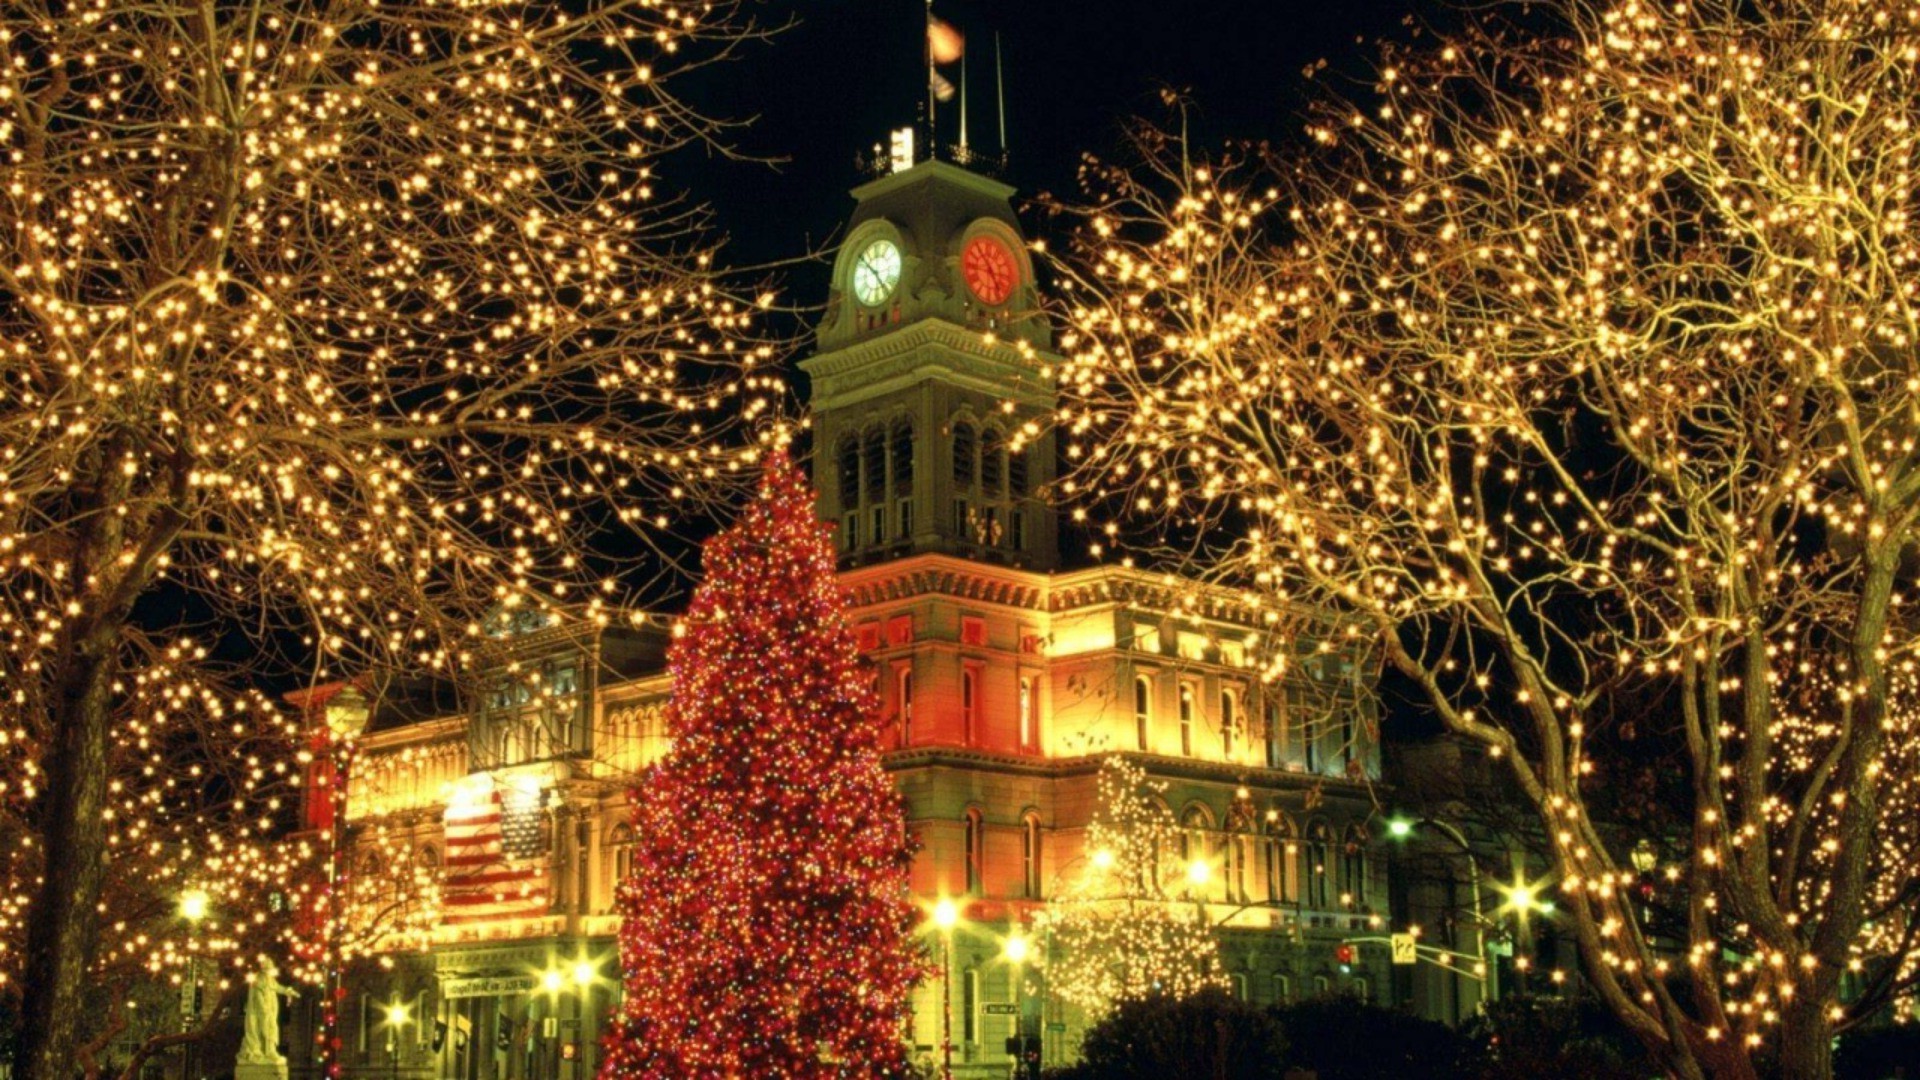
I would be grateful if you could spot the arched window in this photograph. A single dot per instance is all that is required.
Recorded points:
(963, 449)
(1318, 856)
(1194, 826)
(902, 459)
(906, 705)
(429, 857)
(1142, 710)
(1237, 854)
(621, 842)
(1030, 855)
(1239, 984)
(1017, 482)
(993, 450)
(1361, 990)
(876, 466)
(1282, 850)
(1229, 716)
(1353, 867)
(1186, 719)
(1310, 741)
(849, 472)
(976, 853)
(1282, 989)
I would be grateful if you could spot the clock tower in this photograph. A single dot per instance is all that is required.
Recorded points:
(928, 398)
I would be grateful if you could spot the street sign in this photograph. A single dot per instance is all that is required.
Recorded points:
(1002, 1008)
(1404, 951)
(1057, 1027)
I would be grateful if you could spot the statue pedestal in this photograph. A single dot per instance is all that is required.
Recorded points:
(260, 1070)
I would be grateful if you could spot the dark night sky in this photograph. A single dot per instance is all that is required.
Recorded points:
(834, 85)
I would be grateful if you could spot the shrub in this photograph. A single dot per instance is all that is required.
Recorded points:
(1344, 1038)
(1206, 1036)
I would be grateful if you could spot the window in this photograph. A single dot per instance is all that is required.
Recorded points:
(992, 461)
(878, 517)
(1194, 826)
(969, 702)
(1282, 989)
(1186, 720)
(905, 684)
(1320, 986)
(1276, 743)
(976, 853)
(1310, 743)
(621, 842)
(1017, 529)
(1239, 983)
(849, 472)
(1030, 855)
(1282, 879)
(903, 517)
(1017, 473)
(1353, 867)
(875, 461)
(1029, 715)
(1317, 868)
(902, 460)
(1346, 740)
(583, 866)
(1237, 868)
(963, 453)
(1361, 990)
(1142, 709)
(1229, 716)
(850, 536)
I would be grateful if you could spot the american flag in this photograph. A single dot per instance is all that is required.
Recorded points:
(496, 864)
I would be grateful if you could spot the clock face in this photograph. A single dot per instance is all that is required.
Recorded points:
(989, 269)
(875, 272)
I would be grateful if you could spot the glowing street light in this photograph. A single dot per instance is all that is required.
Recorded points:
(1015, 949)
(584, 972)
(946, 915)
(398, 1016)
(1199, 872)
(194, 904)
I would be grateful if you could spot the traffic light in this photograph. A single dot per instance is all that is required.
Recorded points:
(1343, 955)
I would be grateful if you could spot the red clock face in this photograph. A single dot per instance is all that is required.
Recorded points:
(990, 269)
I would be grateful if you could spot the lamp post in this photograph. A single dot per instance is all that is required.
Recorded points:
(585, 974)
(346, 714)
(398, 1016)
(1015, 950)
(194, 905)
(945, 915)
(1402, 828)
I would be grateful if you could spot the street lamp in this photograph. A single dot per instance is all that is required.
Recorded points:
(195, 904)
(398, 1016)
(585, 974)
(946, 914)
(1016, 950)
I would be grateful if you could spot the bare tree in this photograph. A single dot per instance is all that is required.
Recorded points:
(1578, 362)
(328, 324)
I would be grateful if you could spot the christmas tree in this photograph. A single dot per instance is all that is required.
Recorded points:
(767, 931)
(1123, 930)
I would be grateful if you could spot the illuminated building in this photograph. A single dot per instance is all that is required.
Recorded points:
(1002, 679)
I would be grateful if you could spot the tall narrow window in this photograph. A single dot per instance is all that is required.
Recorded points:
(963, 449)
(902, 454)
(849, 472)
(1282, 989)
(906, 706)
(976, 853)
(1353, 867)
(1229, 716)
(1017, 473)
(875, 466)
(1030, 856)
(1029, 715)
(1276, 742)
(1239, 982)
(1186, 720)
(622, 843)
(969, 703)
(1310, 742)
(1317, 868)
(993, 451)
(1142, 710)
(1346, 740)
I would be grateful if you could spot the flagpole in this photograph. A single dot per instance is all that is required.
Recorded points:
(963, 106)
(926, 43)
(1000, 92)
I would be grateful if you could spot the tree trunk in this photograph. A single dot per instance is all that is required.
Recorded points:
(64, 919)
(1806, 1041)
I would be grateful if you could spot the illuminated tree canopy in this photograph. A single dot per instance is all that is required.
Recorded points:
(1580, 359)
(1121, 930)
(328, 327)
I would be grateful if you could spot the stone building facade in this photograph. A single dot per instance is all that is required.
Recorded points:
(1003, 679)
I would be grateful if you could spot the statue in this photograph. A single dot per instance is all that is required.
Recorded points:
(260, 1045)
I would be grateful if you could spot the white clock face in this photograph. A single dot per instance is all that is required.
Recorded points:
(875, 272)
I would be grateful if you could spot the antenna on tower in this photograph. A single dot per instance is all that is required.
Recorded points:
(999, 92)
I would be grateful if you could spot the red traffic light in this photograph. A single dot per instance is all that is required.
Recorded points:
(1343, 954)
